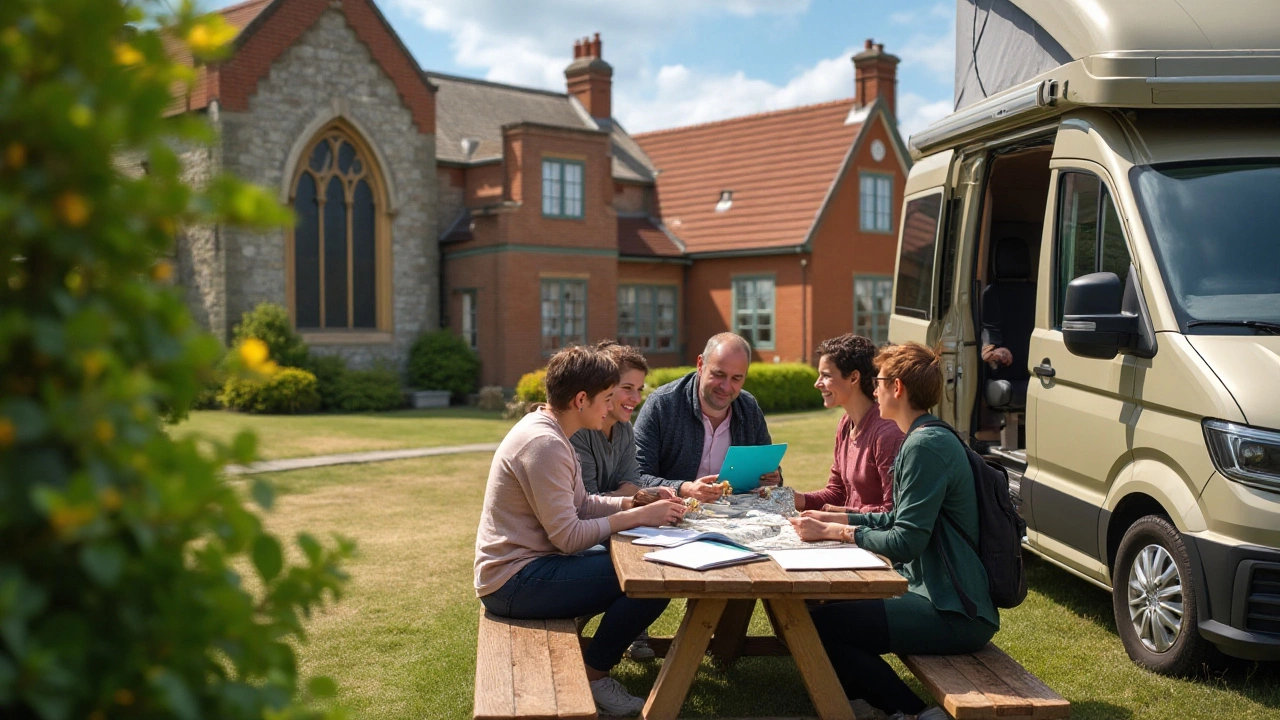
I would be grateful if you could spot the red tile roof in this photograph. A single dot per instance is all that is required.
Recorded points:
(779, 165)
(238, 16)
(641, 237)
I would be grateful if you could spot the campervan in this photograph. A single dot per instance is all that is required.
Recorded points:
(1092, 240)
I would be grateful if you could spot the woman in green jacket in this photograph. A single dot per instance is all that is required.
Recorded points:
(932, 479)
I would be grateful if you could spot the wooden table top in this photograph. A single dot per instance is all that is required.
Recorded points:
(763, 580)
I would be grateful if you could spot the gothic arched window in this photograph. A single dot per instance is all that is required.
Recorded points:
(339, 258)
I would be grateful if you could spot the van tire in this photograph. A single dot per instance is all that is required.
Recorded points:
(1152, 641)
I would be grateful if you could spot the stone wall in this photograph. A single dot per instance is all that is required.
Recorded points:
(198, 258)
(329, 73)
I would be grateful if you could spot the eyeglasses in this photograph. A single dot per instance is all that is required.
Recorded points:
(878, 379)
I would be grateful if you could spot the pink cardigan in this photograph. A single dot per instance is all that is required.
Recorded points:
(861, 474)
(535, 504)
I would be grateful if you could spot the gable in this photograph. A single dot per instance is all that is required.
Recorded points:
(269, 27)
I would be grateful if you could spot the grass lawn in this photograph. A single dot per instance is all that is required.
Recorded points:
(401, 643)
(289, 436)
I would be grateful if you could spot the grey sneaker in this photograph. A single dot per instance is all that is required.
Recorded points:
(613, 699)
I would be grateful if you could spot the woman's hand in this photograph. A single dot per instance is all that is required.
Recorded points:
(650, 495)
(827, 517)
(666, 511)
(811, 530)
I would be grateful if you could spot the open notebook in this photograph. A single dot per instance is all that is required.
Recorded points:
(669, 537)
(826, 558)
(704, 555)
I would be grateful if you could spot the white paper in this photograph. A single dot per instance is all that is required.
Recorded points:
(646, 532)
(700, 555)
(829, 558)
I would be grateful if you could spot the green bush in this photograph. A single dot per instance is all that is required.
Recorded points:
(661, 376)
(782, 387)
(270, 323)
(532, 387)
(135, 580)
(368, 391)
(287, 392)
(441, 360)
(331, 373)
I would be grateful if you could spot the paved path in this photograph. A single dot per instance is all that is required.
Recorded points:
(314, 461)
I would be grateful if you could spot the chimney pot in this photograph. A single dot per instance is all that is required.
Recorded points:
(870, 42)
(879, 47)
(596, 46)
(577, 49)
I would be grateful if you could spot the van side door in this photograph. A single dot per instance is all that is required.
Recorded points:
(1080, 410)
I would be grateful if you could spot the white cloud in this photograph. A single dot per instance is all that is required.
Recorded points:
(915, 112)
(678, 95)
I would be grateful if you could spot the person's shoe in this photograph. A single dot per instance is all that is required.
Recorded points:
(613, 699)
(933, 713)
(640, 650)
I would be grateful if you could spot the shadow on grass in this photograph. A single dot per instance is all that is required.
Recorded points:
(1099, 709)
(753, 687)
(1258, 682)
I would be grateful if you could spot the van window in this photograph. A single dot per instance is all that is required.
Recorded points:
(1090, 236)
(914, 295)
(1212, 225)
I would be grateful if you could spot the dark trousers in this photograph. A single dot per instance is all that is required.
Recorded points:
(571, 586)
(855, 634)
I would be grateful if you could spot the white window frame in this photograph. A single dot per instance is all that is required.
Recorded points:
(552, 343)
(562, 188)
(751, 284)
(646, 334)
(881, 295)
(875, 202)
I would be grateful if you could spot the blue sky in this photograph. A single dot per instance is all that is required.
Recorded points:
(678, 62)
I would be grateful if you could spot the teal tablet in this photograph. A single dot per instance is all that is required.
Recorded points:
(744, 464)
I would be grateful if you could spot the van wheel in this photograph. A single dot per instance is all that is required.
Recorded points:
(1154, 599)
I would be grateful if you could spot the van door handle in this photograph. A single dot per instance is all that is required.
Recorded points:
(1044, 369)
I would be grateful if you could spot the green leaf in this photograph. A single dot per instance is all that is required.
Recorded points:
(176, 694)
(264, 493)
(322, 687)
(244, 448)
(309, 546)
(267, 557)
(29, 420)
(103, 562)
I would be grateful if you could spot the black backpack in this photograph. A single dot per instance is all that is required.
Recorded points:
(1000, 532)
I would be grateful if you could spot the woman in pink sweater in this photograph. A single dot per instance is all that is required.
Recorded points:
(538, 521)
(866, 444)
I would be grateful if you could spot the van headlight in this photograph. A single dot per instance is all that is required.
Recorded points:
(1250, 456)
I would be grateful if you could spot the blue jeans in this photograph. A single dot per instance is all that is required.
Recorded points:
(571, 586)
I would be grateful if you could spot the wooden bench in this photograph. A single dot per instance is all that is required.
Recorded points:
(986, 685)
(530, 669)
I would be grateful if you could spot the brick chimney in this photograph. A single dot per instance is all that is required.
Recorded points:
(590, 78)
(875, 75)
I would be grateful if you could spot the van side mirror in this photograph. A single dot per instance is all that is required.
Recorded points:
(1094, 323)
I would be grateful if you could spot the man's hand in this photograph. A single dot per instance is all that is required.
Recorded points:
(704, 489)
(828, 507)
(772, 479)
(827, 517)
(995, 354)
(811, 529)
(653, 494)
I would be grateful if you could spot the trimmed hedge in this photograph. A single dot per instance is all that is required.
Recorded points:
(368, 391)
(441, 360)
(288, 391)
(661, 376)
(330, 372)
(783, 387)
(532, 387)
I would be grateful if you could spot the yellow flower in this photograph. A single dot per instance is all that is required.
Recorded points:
(127, 54)
(7, 432)
(67, 519)
(93, 363)
(15, 156)
(104, 431)
(73, 209)
(111, 500)
(80, 116)
(162, 271)
(210, 34)
(254, 353)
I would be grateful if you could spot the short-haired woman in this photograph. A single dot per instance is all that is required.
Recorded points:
(935, 513)
(538, 519)
(866, 445)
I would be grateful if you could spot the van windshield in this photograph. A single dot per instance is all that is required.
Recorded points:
(1215, 230)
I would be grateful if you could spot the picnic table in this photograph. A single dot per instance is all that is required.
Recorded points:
(720, 602)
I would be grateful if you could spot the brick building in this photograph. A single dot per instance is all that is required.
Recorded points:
(528, 220)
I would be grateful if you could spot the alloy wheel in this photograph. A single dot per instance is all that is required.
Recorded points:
(1155, 598)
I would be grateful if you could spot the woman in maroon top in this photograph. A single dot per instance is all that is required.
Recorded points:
(866, 444)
